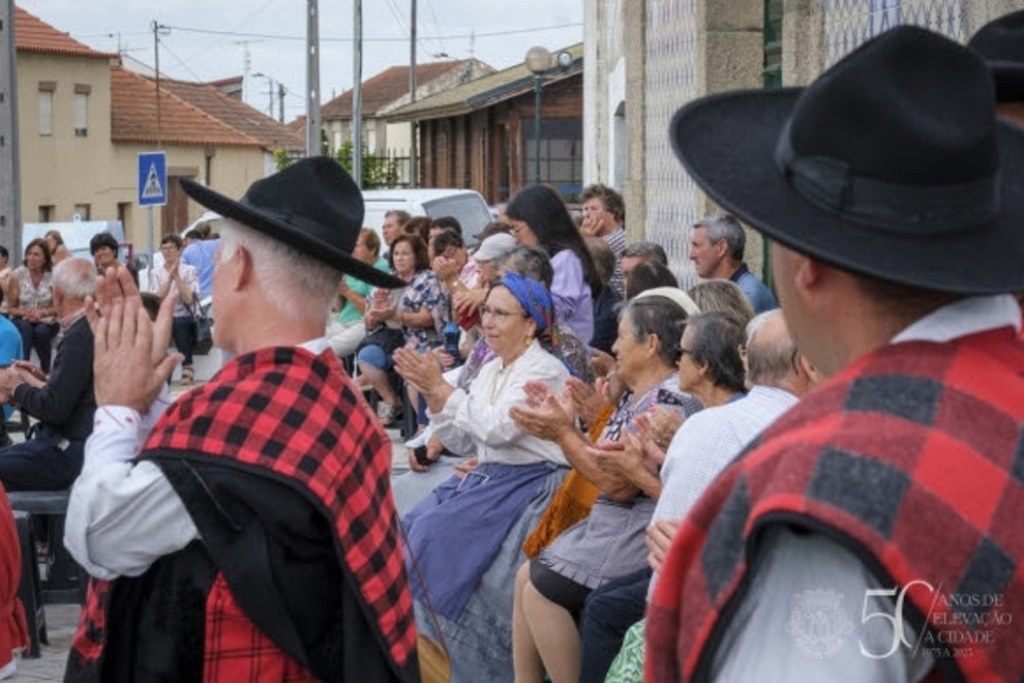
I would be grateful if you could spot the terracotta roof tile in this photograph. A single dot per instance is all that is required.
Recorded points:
(237, 115)
(32, 34)
(384, 88)
(133, 116)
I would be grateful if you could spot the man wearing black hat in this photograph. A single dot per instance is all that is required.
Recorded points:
(872, 533)
(247, 531)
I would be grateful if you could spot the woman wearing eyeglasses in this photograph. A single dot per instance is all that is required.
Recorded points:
(608, 543)
(466, 536)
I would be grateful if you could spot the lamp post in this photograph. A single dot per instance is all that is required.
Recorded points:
(538, 60)
(270, 91)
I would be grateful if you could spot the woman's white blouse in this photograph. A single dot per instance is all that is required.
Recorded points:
(478, 423)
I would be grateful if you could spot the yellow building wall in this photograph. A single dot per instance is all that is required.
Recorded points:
(62, 170)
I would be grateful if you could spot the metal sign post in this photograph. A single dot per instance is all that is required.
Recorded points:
(152, 189)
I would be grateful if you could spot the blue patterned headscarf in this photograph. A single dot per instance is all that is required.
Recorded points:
(533, 297)
(536, 300)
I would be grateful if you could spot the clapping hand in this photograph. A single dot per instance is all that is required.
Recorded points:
(30, 369)
(445, 267)
(544, 415)
(418, 369)
(587, 401)
(658, 425)
(659, 540)
(131, 362)
(466, 302)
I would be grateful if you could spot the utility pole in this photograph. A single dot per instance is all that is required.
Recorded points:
(156, 60)
(10, 182)
(312, 79)
(357, 94)
(150, 221)
(413, 148)
(280, 101)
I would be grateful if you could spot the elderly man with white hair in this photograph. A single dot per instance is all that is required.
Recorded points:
(250, 533)
(63, 402)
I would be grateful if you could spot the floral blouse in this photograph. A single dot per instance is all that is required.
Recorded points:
(32, 297)
(424, 290)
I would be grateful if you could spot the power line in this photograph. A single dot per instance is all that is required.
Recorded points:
(278, 36)
(433, 17)
(242, 22)
(182, 62)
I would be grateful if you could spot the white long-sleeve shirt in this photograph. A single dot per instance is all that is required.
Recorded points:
(123, 515)
(478, 421)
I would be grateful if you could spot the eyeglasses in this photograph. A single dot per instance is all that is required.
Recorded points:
(499, 314)
(517, 226)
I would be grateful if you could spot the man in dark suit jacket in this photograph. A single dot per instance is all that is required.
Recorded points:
(64, 404)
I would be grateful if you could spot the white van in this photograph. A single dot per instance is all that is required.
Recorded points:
(76, 235)
(467, 206)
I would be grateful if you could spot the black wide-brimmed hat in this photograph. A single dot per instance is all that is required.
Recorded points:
(891, 164)
(1001, 43)
(312, 206)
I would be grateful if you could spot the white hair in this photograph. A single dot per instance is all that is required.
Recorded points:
(75, 277)
(757, 322)
(295, 285)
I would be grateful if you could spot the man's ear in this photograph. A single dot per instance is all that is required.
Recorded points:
(809, 373)
(721, 248)
(807, 271)
(246, 272)
(237, 269)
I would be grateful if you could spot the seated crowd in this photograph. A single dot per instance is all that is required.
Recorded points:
(612, 478)
(545, 431)
(548, 369)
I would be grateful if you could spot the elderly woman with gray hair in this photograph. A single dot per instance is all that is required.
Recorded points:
(609, 542)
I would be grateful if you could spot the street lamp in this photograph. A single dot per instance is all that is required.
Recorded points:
(538, 60)
(270, 90)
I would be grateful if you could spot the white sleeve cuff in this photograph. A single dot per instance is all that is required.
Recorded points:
(115, 436)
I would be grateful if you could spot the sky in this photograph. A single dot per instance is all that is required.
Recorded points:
(205, 40)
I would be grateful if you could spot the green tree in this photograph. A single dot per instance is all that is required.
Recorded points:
(281, 159)
(378, 171)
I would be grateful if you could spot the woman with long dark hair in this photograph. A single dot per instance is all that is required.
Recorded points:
(539, 216)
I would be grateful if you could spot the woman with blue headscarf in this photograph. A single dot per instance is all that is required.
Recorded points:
(466, 537)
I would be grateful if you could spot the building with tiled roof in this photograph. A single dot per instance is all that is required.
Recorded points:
(134, 118)
(83, 120)
(32, 34)
(480, 134)
(238, 115)
(389, 89)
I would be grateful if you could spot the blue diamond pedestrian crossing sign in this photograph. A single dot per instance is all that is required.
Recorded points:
(152, 179)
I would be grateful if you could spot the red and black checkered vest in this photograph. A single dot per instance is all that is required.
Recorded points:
(914, 459)
(295, 415)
